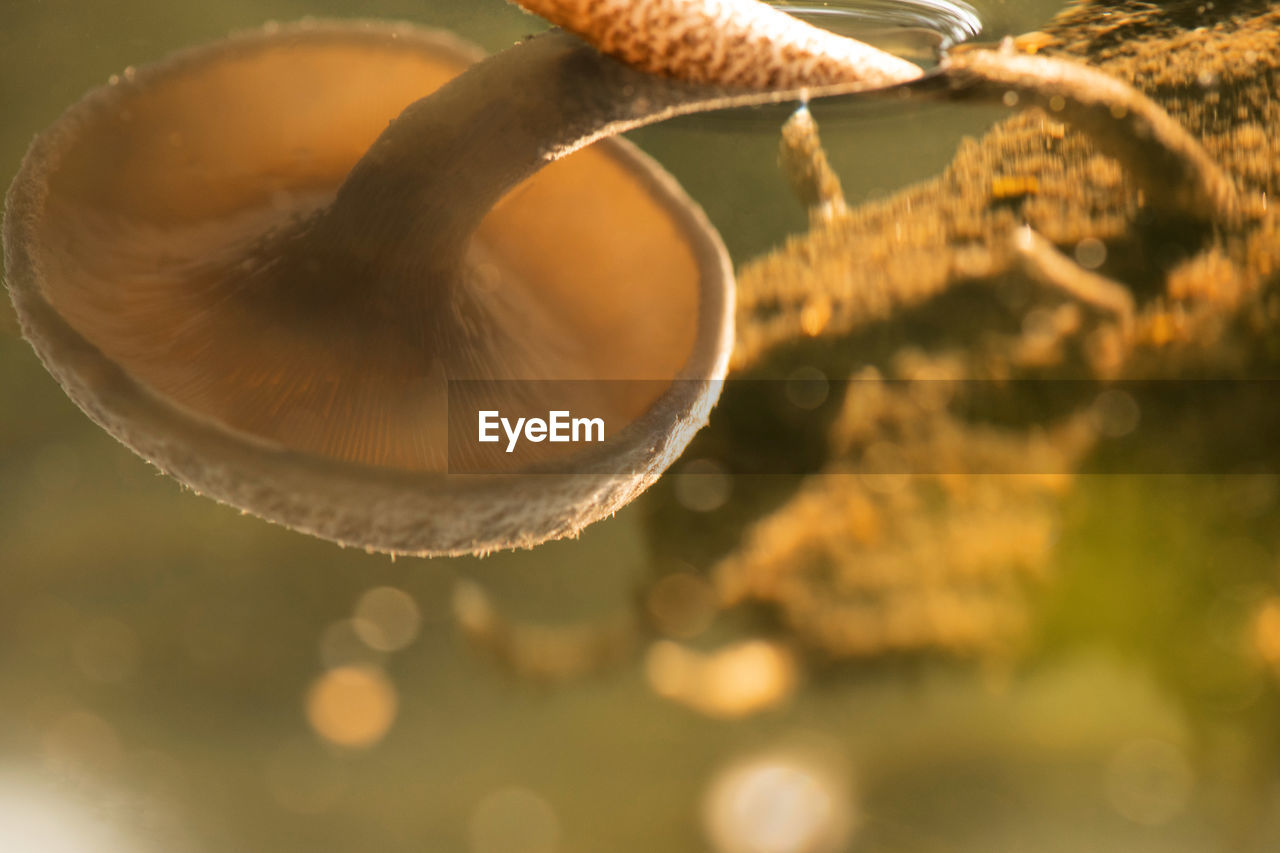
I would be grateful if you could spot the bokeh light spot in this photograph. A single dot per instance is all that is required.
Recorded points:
(352, 706)
(387, 619)
(341, 645)
(807, 388)
(81, 741)
(703, 486)
(778, 803)
(1149, 781)
(682, 605)
(514, 820)
(738, 680)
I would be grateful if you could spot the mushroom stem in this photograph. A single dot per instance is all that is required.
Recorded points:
(494, 125)
(437, 170)
(509, 116)
(742, 43)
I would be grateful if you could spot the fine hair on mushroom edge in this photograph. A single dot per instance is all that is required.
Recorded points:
(492, 127)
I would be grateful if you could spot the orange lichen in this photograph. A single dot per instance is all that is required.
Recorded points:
(921, 535)
(1014, 186)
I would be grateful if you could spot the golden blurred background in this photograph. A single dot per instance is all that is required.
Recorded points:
(175, 676)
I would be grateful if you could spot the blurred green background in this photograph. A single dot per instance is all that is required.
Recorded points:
(165, 662)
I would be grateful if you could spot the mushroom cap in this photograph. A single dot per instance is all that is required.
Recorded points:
(141, 236)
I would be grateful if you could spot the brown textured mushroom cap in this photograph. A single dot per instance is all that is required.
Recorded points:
(152, 244)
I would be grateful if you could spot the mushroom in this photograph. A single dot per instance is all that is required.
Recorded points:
(234, 265)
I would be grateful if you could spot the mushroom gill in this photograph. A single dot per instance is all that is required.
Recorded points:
(197, 249)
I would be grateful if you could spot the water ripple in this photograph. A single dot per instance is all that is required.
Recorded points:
(920, 31)
(951, 20)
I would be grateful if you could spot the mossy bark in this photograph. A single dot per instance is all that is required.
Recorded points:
(980, 363)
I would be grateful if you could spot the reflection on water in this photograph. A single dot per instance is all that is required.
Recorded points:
(917, 29)
(963, 661)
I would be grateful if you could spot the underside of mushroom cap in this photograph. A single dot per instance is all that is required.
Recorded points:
(142, 242)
